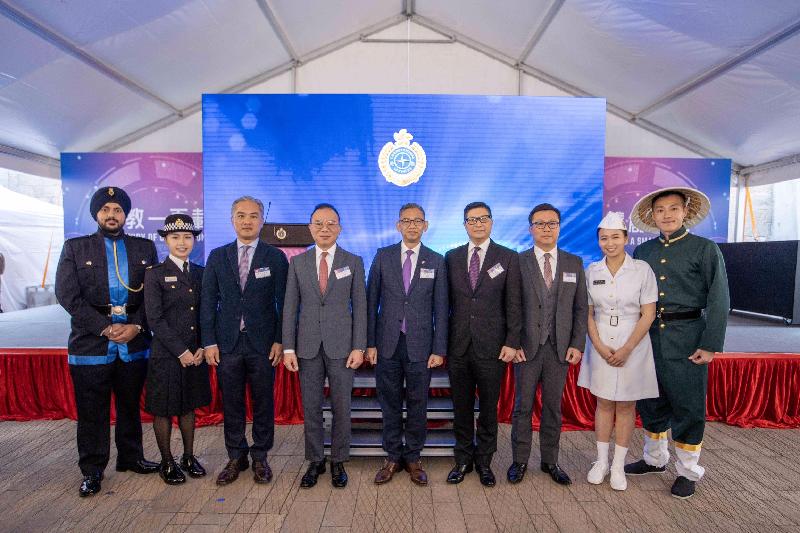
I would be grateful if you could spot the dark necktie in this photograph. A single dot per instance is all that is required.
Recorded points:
(474, 268)
(186, 267)
(548, 271)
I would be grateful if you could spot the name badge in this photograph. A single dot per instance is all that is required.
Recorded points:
(570, 277)
(263, 273)
(427, 273)
(342, 272)
(170, 279)
(599, 282)
(495, 271)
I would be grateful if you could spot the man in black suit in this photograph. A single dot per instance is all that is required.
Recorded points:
(555, 317)
(99, 282)
(406, 337)
(240, 325)
(485, 321)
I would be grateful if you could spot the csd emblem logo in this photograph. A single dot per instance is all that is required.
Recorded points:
(402, 162)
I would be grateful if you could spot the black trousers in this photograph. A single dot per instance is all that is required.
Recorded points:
(468, 371)
(236, 369)
(390, 373)
(93, 385)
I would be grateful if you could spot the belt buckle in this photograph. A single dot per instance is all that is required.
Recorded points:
(118, 309)
(613, 320)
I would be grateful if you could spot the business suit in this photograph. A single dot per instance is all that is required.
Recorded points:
(404, 356)
(244, 353)
(97, 366)
(322, 330)
(482, 321)
(554, 320)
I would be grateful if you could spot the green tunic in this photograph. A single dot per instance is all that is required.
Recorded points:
(691, 275)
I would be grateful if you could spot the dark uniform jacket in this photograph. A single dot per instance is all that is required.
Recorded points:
(82, 283)
(224, 303)
(490, 316)
(691, 275)
(425, 307)
(172, 303)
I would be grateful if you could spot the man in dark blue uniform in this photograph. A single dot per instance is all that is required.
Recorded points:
(99, 282)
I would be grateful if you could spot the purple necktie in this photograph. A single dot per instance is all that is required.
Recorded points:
(474, 268)
(406, 280)
(244, 270)
(548, 271)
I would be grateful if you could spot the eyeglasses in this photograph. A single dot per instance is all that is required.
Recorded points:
(474, 220)
(414, 221)
(541, 225)
(330, 224)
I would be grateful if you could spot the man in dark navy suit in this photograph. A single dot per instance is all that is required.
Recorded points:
(485, 324)
(99, 282)
(406, 337)
(240, 326)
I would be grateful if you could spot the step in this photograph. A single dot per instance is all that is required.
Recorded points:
(364, 378)
(367, 407)
(367, 443)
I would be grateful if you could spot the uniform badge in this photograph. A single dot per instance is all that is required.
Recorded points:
(111, 191)
(402, 162)
(88, 263)
(179, 223)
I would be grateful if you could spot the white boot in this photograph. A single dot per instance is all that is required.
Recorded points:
(618, 481)
(598, 472)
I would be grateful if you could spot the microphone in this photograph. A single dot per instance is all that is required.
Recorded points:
(269, 204)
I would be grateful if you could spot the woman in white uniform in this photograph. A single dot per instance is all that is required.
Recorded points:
(619, 367)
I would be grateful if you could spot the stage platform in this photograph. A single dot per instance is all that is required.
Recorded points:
(754, 383)
(750, 486)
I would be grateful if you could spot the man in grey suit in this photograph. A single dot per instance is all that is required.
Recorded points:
(555, 315)
(407, 336)
(325, 335)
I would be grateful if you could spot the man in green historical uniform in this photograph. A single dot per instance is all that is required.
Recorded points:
(693, 304)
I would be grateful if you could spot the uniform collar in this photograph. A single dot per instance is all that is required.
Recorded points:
(679, 234)
(103, 233)
(178, 262)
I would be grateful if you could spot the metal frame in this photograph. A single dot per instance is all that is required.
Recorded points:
(40, 30)
(715, 72)
(552, 11)
(277, 27)
(29, 156)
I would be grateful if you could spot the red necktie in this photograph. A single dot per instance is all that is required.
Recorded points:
(323, 273)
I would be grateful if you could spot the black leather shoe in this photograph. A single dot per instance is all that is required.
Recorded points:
(262, 473)
(486, 475)
(516, 472)
(142, 466)
(171, 473)
(192, 466)
(640, 468)
(90, 485)
(311, 475)
(558, 475)
(338, 475)
(458, 472)
(683, 488)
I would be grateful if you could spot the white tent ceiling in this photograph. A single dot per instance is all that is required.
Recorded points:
(720, 76)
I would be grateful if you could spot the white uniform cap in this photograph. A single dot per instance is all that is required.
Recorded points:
(613, 220)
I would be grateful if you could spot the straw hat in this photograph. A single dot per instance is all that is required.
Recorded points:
(697, 205)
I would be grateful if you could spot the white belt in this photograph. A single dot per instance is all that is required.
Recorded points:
(614, 320)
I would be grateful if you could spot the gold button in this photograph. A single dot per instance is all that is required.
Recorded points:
(663, 260)
(661, 294)
(173, 286)
(192, 327)
(662, 309)
(190, 290)
(666, 245)
(662, 278)
(191, 308)
(663, 326)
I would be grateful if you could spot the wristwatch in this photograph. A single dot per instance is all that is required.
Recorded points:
(138, 327)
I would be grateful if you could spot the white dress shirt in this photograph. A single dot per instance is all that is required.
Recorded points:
(331, 252)
(250, 253)
(553, 259)
(481, 252)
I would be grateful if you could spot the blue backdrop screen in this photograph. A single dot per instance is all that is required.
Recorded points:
(511, 152)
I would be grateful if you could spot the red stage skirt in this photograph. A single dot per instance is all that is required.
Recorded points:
(747, 390)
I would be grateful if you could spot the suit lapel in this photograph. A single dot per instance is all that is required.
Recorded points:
(421, 263)
(396, 268)
(232, 252)
(259, 255)
(173, 270)
(488, 262)
(559, 277)
(100, 243)
(535, 273)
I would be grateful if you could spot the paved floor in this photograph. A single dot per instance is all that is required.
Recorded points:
(752, 484)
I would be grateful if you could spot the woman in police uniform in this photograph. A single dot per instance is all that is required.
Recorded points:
(177, 377)
(619, 369)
